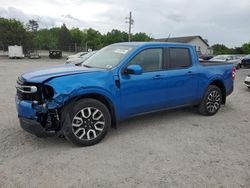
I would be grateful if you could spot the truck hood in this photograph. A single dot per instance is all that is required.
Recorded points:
(41, 76)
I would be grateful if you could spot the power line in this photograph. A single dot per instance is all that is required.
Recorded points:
(130, 22)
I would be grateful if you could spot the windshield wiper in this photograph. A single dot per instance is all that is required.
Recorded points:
(87, 66)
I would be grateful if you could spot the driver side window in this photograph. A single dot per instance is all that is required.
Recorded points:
(150, 60)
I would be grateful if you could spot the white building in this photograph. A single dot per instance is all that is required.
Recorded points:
(200, 44)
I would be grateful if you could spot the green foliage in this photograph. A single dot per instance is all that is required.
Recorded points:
(46, 39)
(246, 48)
(93, 39)
(64, 38)
(141, 37)
(32, 25)
(12, 32)
(220, 49)
(115, 36)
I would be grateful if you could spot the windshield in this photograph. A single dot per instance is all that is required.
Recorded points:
(88, 55)
(108, 57)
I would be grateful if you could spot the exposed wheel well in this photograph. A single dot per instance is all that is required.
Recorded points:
(106, 102)
(220, 84)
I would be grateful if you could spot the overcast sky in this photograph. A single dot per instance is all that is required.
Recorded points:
(218, 21)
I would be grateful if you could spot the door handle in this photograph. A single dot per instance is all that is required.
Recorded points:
(190, 72)
(158, 76)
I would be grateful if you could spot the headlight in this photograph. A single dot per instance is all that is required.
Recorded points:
(26, 89)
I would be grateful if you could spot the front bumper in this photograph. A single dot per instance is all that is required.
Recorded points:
(35, 128)
(247, 81)
(30, 119)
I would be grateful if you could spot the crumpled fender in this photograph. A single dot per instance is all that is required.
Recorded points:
(65, 96)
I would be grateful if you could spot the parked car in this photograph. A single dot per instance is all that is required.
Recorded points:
(117, 82)
(77, 55)
(245, 62)
(236, 60)
(15, 52)
(80, 60)
(33, 54)
(247, 81)
(55, 54)
(206, 57)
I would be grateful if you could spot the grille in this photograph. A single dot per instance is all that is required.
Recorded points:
(24, 94)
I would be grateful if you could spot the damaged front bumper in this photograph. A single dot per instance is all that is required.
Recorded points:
(35, 128)
(37, 119)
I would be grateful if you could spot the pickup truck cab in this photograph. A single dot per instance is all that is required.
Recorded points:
(117, 82)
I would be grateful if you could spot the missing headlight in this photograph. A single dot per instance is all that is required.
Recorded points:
(48, 92)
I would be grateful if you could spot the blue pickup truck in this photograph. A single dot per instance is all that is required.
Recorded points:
(119, 81)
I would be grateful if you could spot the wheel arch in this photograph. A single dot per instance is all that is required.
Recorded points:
(220, 85)
(97, 96)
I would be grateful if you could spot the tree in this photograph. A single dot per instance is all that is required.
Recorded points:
(12, 32)
(220, 49)
(46, 38)
(94, 39)
(32, 25)
(141, 37)
(77, 36)
(246, 48)
(64, 39)
(115, 36)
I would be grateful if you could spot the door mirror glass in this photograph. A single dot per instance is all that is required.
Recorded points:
(133, 69)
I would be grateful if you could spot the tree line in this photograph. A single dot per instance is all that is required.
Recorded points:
(222, 49)
(14, 32)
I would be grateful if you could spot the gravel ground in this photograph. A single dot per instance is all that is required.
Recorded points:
(177, 148)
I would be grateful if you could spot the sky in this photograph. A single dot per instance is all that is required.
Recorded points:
(219, 21)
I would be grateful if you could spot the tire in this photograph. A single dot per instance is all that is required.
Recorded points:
(211, 101)
(88, 122)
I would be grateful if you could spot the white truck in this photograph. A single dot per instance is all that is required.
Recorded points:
(15, 51)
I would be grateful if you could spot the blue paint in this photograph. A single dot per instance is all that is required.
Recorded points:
(137, 93)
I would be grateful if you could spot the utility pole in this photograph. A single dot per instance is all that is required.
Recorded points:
(130, 22)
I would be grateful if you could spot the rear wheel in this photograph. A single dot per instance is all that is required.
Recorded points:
(89, 122)
(211, 101)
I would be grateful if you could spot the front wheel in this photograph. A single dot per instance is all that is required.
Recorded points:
(211, 101)
(89, 122)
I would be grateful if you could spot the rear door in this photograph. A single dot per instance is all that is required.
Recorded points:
(181, 77)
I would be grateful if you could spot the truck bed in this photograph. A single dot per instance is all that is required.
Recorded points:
(211, 63)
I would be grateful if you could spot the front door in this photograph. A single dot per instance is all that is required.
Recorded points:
(147, 91)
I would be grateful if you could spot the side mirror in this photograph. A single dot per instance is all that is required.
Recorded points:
(133, 69)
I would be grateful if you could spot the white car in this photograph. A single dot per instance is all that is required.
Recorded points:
(236, 60)
(247, 81)
(80, 60)
(80, 54)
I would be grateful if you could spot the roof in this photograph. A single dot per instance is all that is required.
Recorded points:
(149, 43)
(181, 39)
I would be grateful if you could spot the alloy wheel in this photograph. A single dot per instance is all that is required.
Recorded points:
(213, 101)
(88, 123)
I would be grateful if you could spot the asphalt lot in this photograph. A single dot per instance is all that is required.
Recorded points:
(177, 148)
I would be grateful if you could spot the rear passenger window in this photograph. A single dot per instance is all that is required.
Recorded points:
(179, 57)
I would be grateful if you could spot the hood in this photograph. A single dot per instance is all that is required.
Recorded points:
(40, 76)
